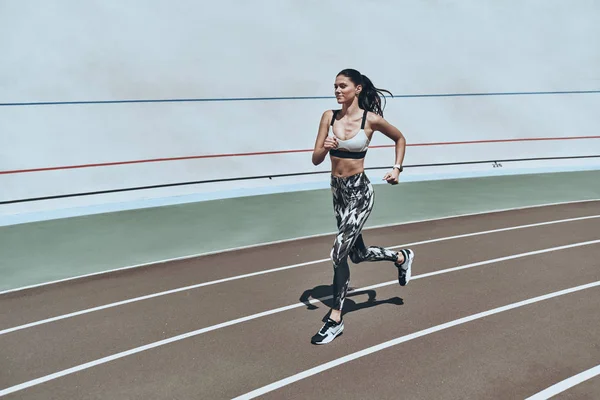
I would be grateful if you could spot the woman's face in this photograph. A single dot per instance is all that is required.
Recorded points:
(345, 89)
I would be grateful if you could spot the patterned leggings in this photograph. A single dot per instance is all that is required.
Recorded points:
(352, 203)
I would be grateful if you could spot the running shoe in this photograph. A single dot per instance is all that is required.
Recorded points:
(404, 269)
(328, 332)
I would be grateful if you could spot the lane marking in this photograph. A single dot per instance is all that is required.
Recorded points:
(566, 384)
(233, 249)
(370, 350)
(187, 335)
(287, 241)
(233, 278)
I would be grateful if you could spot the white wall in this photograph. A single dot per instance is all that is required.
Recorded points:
(103, 50)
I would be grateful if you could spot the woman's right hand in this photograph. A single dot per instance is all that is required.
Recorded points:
(330, 143)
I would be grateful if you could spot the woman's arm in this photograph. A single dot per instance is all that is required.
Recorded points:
(323, 143)
(378, 123)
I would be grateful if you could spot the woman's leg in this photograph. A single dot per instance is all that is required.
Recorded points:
(402, 259)
(360, 253)
(352, 203)
(351, 216)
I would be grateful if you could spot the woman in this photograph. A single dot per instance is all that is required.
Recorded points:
(351, 129)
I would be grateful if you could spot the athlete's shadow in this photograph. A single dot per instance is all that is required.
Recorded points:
(323, 294)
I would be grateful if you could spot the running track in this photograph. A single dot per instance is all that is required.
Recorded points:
(528, 279)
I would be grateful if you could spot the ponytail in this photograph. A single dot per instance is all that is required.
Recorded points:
(370, 97)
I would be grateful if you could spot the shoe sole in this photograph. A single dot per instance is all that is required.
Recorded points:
(411, 257)
(329, 339)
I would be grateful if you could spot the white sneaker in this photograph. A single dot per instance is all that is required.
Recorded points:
(328, 332)
(404, 269)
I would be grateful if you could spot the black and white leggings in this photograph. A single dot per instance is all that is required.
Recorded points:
(352, 203)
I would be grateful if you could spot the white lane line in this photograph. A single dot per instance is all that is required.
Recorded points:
(370, 350)
(566, 384)
(286, 241)
(177, 338)
(233, 278)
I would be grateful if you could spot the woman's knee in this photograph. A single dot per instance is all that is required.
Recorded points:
(356, 256)
(338, 257)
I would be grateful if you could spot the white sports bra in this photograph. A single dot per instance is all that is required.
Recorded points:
(356, 146)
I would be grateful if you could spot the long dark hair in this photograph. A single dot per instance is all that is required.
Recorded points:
(370, 97)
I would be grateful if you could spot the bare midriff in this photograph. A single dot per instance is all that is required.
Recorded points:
(344, 167)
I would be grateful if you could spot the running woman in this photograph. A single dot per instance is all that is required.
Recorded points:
(345, 134)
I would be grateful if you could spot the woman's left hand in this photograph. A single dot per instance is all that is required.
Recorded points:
(392, 177)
